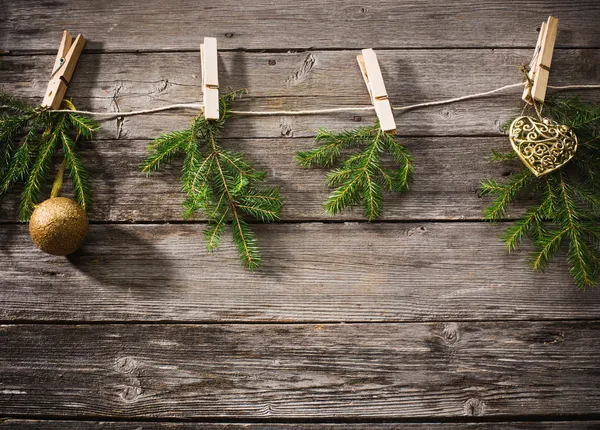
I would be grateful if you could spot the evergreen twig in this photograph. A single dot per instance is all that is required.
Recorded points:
(218, 181)
(568, 199)
(29, 138)
(361, 177)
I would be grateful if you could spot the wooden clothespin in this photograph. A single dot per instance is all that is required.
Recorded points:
(369, 66)
(210, 77)
(539, 68)
(64, 66)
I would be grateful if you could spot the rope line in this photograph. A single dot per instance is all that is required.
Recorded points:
(325, 110)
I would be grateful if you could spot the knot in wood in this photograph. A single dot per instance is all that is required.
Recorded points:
(303, 72)
(546, 337)
(125, 365)
(474, 407)
(286, 128)
(266, 410)
(130, 393)
(450, 333)
(446, 113)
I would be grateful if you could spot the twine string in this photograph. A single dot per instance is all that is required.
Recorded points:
(324, 110)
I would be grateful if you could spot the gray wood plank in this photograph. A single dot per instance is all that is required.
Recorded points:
(448, 172)
(297, 81)
(312, 272)
(450, 196)
(312, 371)
(287, 24)
(385, 273)
(9, 424)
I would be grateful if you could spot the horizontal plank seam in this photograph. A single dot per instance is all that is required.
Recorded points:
(290, 50)
(308, 420)
(25, 322)
(293, 221)
(408, 136)
(291, 138)
(283, 222)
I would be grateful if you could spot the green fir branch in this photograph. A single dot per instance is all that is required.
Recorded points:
(37, 176)
(77, 172)
(30, 136)
(13, 105)
(331, 144)
(547, 246)
(220, 182)
(361, 178)
(83, 125)
(502, 156)
(565, 215)
(504, 193)
(164, 149)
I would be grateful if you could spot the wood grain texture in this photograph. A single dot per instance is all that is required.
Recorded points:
(18, 424)
(313, 272)
(287, 24)
(315, 370)
(302, 80)
(448, 169)
(448, 173)
(440, 326)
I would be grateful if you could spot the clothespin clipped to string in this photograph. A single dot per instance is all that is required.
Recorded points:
(369, 67)
(210, 77)
(539, 68)
(64, 66)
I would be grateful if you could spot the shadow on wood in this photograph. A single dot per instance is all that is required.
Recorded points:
(124, 259)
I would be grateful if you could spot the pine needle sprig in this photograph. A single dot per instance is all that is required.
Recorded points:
(362, 177)
(220, 182)
(30, 136)
(502, 156)
(504, 193)
(565, 215)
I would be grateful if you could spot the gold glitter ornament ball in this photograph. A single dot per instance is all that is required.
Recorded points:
(58, 226)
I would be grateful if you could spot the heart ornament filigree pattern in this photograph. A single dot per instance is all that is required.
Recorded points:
(544, 145)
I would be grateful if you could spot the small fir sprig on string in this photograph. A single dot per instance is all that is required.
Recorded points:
(567, 199)
(361, 177)
(218, 181)
(29, 138)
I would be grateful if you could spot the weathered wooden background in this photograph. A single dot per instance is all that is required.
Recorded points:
(421, 320)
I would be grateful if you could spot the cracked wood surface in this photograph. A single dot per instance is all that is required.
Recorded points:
(18, 424)
(262, 24)
(298, 81)
(445, 187)
(312, 272)
(475, 369)
(443, 328)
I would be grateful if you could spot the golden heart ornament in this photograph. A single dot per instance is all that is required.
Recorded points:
(544, 145)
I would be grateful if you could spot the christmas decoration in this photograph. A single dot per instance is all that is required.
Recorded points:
(543, 145)
(29, 138)
(560, 153)
(58, 226)
(362, 176)
(565, 153)
(220, 182)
